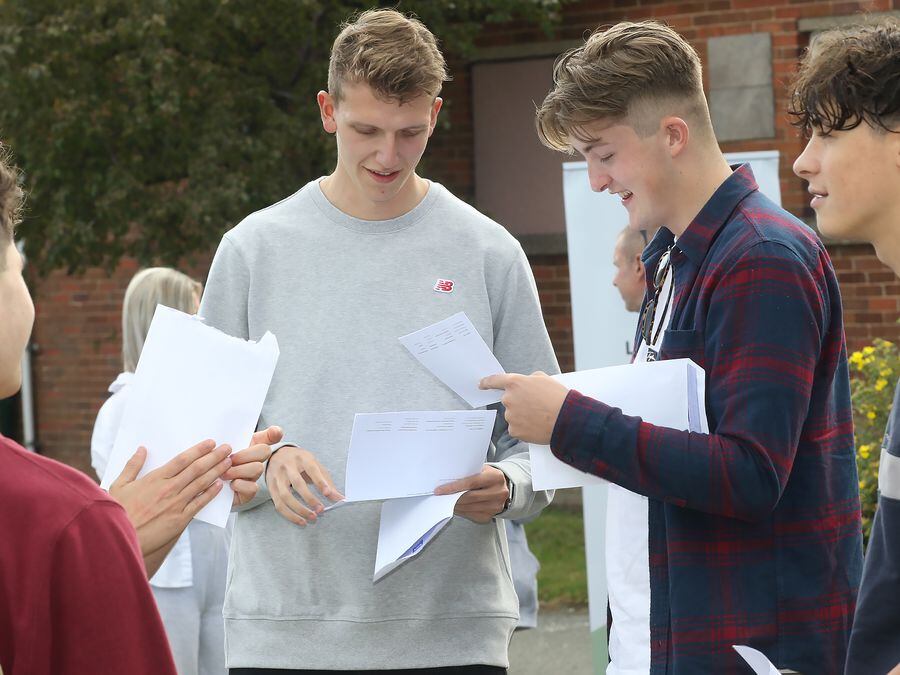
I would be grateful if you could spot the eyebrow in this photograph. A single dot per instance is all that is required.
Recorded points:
(364, 125)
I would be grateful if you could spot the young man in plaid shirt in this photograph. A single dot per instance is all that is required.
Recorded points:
(847, 100)
(753, 529)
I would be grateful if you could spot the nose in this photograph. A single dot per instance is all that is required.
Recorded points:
(386, 155)
(598, 179)
(807, 163)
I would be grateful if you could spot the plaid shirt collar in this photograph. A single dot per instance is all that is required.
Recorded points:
(699, 235)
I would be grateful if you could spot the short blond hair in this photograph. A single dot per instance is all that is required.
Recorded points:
(147, 289)
(623, 72)
(395, 55)
(11, 197)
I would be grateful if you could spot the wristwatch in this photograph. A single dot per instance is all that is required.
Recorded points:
(511, 487)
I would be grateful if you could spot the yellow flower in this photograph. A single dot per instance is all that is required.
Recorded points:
(865, 448)
(886, 372)
(871, 414)
(862, 485)
(880, 384)
(868, 351)
(856, 356)
(864, 453)
(887, 343)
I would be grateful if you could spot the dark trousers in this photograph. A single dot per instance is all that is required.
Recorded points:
(451, 670)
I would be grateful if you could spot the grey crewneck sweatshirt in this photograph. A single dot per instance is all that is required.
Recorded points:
(337, 292)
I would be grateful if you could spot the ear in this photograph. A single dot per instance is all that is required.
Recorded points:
(639, 266)
(435, 109)
(675, 133)
(326, 111)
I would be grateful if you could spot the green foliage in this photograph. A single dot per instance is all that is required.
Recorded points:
(556, 538)
(874, 372)
(149, 128)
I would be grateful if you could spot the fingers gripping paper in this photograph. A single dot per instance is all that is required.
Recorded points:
(193, 382)
(665, 393)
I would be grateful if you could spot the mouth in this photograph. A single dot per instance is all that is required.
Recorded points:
(382, 176)
(625, 196)
(819, 197)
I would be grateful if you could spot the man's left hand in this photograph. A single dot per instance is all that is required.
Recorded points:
(485, 494)
(532, 404)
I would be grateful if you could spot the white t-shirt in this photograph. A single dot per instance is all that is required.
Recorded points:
(627, 547)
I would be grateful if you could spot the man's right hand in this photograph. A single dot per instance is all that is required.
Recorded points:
(161, 504)
(289, 471)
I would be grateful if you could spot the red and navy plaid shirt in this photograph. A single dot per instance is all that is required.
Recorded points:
(754, 529)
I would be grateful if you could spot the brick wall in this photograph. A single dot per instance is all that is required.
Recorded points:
(551, 273)
(870, 292)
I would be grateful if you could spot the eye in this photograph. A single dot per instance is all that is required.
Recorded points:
(364, 131)
(608, 157)
(413, 133)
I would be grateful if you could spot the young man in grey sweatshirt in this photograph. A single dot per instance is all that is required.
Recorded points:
(338, 271)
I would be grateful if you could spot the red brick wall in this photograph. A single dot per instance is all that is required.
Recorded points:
(551, 273)
(870, 292)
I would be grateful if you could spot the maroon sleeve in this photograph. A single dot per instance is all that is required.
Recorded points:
(103, 615)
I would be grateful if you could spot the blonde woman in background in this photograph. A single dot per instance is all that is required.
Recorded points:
(189, 587)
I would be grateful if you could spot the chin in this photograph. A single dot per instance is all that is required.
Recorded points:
(10, 387)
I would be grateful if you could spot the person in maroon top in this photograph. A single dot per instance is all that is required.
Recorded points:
(74, 596)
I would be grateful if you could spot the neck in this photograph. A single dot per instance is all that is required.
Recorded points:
(887, 248)
(345, 196)
(696, 182)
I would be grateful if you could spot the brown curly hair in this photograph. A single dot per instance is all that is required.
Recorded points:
(11, 197)
(849, 76)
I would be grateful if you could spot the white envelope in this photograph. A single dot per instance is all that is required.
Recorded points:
(665, 393)
(192, 383)
(757, 660)
(404, 454)
(407, 525)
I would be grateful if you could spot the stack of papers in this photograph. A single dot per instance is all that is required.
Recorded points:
(664, 393)
(403, 456)
(192, 382)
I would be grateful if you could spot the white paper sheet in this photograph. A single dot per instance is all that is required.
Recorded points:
(457, 355)
(192, 383)
(665, 393)
(757, 660)
(404, 454)
(407, 525)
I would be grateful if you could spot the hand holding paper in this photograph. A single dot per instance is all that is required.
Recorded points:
(405, 454)
(248, 464)
(484, 494)
(193, 382)
(532, 404)
(161, 503)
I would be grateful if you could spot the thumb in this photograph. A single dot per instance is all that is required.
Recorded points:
(132, 468)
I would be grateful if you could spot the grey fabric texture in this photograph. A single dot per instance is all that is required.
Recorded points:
(337, 292)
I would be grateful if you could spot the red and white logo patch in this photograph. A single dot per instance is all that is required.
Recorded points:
(444, 286)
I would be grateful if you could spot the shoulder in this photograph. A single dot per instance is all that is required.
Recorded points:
(39, 489)
(462, 220)
(759, 229)
(287, 213)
